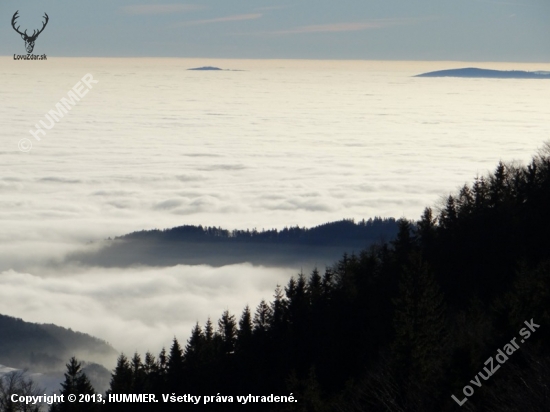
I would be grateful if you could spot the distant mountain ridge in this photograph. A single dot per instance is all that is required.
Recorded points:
(472, 72)
(206, 68)
(193, 245)
(46, 347)
(212, 69)
(327, 233)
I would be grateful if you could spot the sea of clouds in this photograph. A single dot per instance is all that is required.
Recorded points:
(281, 143)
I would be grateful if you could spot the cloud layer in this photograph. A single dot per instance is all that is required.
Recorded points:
(148, 9)
(224, 19)
(137, 309)
(284, 143)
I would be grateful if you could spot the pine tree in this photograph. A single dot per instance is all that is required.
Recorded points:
(150, 365)
(498, 185)
(122, 376)
(175, 358)
(151, 372)
(227, 330)
(138, 374)
(262, 318)
(175, 367)
(279, 308)
(195, 341)
(465, 202)
(315, 289)
(404, 241)
(76, 383)
(426, 229)
(328, 283)
(208, 331)
(244, 334)
(193, 349)
(298, 300)
(163, 362)
(448, 216)
(211, 347)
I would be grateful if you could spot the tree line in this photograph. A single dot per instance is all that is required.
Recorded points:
(341, 231)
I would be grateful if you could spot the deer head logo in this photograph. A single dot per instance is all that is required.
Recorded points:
(29, 40)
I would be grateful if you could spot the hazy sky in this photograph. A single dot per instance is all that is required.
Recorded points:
(475, 30)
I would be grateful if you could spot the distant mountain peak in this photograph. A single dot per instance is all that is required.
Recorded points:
(213, 69)
(206, 68)
(44, 347)
(474, 72)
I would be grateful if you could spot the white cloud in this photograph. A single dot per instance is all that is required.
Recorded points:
(224, 19)
(148, 9)
(353, 26)
(136, 309)
(337, 27)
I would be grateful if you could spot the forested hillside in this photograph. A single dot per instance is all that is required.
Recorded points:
(401, 326)
(214, 246)
(45, 348)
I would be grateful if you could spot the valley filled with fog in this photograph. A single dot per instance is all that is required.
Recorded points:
(279, 144)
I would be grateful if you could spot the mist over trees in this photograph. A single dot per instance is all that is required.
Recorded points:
(400, 326)
(45, 347)
(214, 246)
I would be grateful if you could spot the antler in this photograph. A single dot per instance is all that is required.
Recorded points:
(43, 25)
(13, 21)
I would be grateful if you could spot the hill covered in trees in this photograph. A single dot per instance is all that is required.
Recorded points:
(472, 72)
(401, 326)
(192, 245)
(46, 347)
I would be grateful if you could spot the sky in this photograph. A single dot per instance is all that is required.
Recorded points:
(465, 30)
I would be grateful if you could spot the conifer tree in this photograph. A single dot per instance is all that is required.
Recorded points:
(163, 362)
(194, 344)
(138, 374)
(448, 216)
(122, 377)
(244, 334)
(151, 372)
(404, 241)
(76, 383)
(279, 308)
(465, 202)
(174, 365)
(426, 229)
(314, 286)
(262, 318)
(498, 184)
(227, 330)
(327, 284)
(150, 365)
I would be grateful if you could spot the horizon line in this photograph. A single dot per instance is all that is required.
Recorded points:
(292, 59)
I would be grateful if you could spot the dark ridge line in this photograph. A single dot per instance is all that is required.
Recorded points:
(473, 72)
